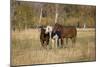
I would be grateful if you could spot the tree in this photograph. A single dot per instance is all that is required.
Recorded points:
(56, 13)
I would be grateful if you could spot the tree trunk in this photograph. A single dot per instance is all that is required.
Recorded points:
(40, 16)
(56, 13)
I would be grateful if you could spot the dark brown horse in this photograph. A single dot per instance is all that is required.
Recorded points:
(66, 32)
(44, 38)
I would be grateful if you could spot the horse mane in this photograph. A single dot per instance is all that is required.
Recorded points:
(57, 24)
(57, 27)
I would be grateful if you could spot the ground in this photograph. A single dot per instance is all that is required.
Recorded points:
(26, 48)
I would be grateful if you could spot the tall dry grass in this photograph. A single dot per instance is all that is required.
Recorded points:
(26, 48)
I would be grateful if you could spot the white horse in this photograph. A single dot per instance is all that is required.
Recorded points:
(53, 38)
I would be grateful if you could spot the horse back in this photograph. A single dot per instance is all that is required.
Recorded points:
(69, 31)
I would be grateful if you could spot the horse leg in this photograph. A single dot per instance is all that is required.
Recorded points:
(47, 43)
(57, 43)
(52, 44)
(66, 42)
(62, 42)
(42, 43)
(73, 41)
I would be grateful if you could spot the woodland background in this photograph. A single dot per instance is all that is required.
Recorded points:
(26, 15)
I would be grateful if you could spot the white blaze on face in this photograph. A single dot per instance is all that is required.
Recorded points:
(48, 29)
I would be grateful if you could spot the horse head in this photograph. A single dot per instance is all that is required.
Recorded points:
(57, 27)
(48, 29)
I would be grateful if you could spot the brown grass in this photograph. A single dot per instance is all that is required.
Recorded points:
(26, 49)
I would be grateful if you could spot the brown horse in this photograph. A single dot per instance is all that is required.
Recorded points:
(44, 38)
(66, 32)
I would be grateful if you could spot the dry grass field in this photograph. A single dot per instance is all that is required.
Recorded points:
(26, 48)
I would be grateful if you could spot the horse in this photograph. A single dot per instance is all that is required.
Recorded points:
(57, 37)
(44, 38)
(54, 36)
(66, 32)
